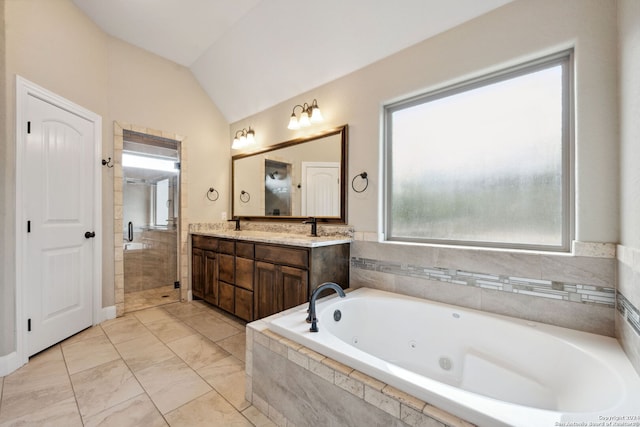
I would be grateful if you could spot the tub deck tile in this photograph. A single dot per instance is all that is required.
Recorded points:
(323, 371)
(382, 401)
(349, 384)
(312, 354)
(404, 398)
(417, 418)
(337, 366)
(291, 344)
(445, 417)
(367, 380)
(278, 347)
(298, 358)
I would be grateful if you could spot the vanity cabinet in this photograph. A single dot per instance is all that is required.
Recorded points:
(253, 280)
(204, 270)
(281, 278)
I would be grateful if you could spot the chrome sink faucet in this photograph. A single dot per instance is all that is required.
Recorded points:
(311, 318)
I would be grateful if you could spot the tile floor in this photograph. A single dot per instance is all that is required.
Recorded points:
(180, 364)
(139, 300)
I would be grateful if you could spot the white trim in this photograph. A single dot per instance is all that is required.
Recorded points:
(107, 313)
(9, 363)
(24, 89)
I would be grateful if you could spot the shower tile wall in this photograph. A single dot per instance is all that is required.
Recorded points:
(153, 266)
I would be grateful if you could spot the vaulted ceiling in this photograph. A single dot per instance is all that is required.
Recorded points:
(249, 55)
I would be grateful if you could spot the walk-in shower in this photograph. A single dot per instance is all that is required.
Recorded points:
(151, 174)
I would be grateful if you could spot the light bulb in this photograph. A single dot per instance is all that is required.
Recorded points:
(293, 123)
(304, 119)
(316, 115)
(251, 137)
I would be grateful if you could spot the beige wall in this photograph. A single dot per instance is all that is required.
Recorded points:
(629, 14)
(629, 249)
(7, 289)
(514, 33)
(53, 44)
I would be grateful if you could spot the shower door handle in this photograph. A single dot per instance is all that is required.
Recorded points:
(130, 236)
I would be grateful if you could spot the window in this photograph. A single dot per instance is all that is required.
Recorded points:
(484, 163)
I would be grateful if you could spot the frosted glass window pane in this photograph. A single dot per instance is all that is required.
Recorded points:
(483, 165)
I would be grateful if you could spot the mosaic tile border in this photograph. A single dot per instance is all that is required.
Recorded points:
(573, 292)
(629, 312)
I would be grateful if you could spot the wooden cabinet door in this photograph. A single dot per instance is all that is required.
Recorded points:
(210, 274)
(294, 286)
(267, 291)
(226, 268)
(226, 297)
(197, 272)
(244, 304)
(244, 273)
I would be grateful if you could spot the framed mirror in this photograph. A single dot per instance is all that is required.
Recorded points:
(293, 180)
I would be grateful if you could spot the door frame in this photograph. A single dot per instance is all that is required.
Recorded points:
(183, 251)
(24, 89)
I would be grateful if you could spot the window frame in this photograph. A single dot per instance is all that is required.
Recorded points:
(564, 58)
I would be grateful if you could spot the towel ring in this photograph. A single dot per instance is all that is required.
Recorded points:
(244, 196)
(213, 192)
(364, 176)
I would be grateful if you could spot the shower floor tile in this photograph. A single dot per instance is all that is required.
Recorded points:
(139, 300)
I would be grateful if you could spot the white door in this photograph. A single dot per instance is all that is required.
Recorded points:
(58, 207)
(320, 189)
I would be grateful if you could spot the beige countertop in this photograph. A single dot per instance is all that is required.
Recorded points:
(277, 237)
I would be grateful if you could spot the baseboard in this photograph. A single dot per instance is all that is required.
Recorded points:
(9, 363)
(107, 313)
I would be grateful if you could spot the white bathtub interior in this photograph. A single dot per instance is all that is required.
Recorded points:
(478, 366)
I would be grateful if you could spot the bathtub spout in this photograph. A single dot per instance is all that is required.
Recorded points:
(311, 318)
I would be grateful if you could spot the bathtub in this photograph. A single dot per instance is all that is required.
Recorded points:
(488, 369)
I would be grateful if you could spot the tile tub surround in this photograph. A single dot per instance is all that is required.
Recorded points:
(576, 292)
(628, 313)
(298, 386)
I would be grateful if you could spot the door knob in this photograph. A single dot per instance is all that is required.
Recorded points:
(89, 234)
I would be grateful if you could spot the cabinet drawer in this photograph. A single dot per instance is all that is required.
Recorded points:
(227, 247)
(281, 255)
(244, 273)
(204, 242)
(244, 304)
(244, 249)
(226, 296)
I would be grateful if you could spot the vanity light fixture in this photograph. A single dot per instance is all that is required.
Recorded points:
(309, 114)
(244, 139)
